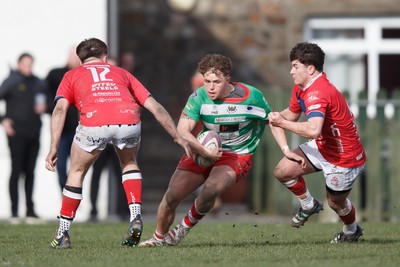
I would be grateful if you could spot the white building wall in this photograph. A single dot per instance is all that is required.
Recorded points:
(47, 29)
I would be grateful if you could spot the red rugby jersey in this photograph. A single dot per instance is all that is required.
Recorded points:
(104, 94)
(339, 141)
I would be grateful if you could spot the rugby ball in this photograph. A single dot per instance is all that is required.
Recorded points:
(209, 139)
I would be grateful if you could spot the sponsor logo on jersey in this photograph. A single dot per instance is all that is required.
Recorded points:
(316, 106)
(230, 119)
(231, 109)
(312, 96)
(90, 114)
(229, 128)
(107, 94)
(104, 86)
(127, 111)
(108, 100)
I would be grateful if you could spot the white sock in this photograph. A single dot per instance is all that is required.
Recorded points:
(350, 229)
(64, 225)
(307, 201)
(134, 209)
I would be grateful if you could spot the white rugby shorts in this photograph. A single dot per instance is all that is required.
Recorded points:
(97, 137)
(336, 178)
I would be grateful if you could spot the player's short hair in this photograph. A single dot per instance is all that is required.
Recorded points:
(308, 54)
(215, 63)
(92, 47)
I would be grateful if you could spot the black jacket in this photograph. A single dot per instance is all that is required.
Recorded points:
(20, 94)
(53, 81)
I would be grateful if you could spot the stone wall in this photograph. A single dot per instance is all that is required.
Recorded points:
(256, 34)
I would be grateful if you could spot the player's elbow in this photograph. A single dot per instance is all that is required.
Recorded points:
(60, 111)
(314, 127)
(314, 133)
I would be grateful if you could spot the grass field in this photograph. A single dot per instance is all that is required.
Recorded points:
(209, 244)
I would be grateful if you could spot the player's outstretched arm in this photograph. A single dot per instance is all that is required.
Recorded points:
(165, 120)
(57, 125)
(280, 137)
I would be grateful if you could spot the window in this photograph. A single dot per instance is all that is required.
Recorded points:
(338, 33)
(361, 53)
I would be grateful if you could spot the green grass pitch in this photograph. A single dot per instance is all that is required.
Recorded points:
(209, 244)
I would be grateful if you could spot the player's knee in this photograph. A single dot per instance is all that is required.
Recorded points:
(170, 200)
(280, 173)
(336, 205)
(211, 190)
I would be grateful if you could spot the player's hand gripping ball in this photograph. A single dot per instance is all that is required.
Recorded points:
(208, 139)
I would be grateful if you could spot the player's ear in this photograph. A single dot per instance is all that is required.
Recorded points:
(311, 69)
(104, 59)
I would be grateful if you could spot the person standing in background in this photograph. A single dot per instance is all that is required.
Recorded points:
(128, 61)
(25, 96)
(53, 79)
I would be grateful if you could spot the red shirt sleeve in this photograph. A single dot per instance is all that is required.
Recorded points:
(139, 92)
(294, 105)
(65, 89)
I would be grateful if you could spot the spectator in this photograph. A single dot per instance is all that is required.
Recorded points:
(109, 99)
(25, 97)
(128, 61)
(53, 79)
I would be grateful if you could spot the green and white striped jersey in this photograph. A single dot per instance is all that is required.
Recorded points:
(240, 122)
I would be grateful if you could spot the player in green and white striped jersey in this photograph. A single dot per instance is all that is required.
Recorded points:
(238, 113)
(239, 118)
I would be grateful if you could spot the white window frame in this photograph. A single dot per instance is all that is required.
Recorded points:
(371, 45)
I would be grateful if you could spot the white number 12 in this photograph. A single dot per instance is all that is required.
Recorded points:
(97, 77)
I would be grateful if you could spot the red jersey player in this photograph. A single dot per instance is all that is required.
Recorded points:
(109, 99)
(335, 147)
